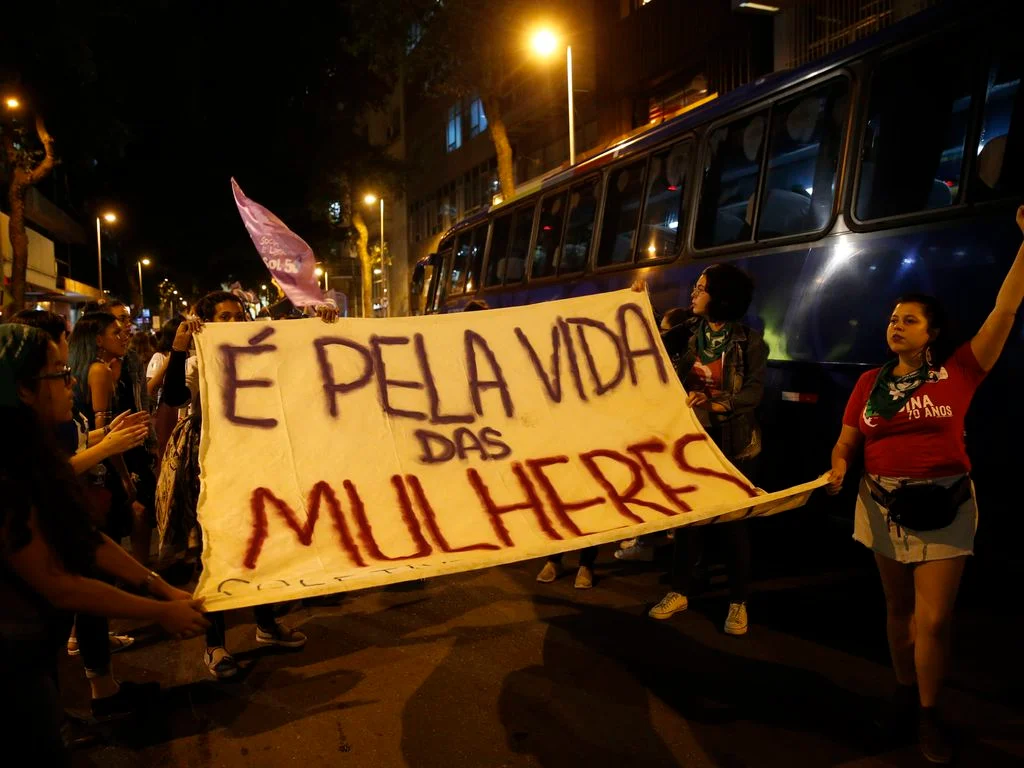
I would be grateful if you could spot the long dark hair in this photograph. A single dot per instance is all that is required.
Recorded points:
(83, 351)
(946, 341)
(35, 476)
(730, 290)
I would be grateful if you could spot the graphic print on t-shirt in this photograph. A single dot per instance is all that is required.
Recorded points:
(705, 378)
(917, 406)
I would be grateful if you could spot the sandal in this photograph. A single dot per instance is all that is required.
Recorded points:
(220, 663)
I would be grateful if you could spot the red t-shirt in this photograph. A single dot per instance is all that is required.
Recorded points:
(705, 377)
(926, 437)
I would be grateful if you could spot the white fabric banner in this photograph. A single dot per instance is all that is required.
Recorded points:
(368, 451)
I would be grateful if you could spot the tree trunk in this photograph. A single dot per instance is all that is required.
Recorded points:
(365, 264)
(19, 241)
(502, 146)
(21, 180)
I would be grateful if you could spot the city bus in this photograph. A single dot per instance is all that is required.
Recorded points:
(892, 166)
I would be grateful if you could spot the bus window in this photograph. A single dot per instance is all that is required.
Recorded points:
(549, 235)
(807, 133)
(663, 210)
(621, 214)
(730, 182)
(913, 144)
(444, 266)
(522, 228)
(463, 247)
(501, 233)
(1000, 168)
(475, 259)
(580, 229)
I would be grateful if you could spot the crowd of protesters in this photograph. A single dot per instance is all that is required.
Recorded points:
(102, 426)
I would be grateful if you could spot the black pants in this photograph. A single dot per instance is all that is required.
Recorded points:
(587, 557)
(689, 542)
(686, 550)
(93, 643)
(265, 615)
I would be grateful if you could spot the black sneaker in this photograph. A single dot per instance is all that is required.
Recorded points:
(896, 717)
(129, 698)
(933, 738)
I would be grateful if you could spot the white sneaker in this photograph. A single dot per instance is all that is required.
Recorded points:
(638, 552)
(670, 604)
(628, 543)
(736, 621)
(548, 573)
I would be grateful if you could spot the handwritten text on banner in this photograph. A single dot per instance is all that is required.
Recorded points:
(364, 452)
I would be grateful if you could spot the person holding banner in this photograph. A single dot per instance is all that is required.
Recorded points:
(50, 552)
(181, 386)
(723, 371)
(916, 508)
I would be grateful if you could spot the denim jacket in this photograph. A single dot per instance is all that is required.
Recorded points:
(745, 360)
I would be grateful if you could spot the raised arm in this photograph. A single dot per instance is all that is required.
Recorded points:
(988, 343)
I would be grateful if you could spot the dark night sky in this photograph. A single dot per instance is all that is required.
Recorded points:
(206, 91)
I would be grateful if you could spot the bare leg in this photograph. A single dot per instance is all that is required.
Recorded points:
(935, 585)
(898, 583)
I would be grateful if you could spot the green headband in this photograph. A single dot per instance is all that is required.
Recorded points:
(17, 344)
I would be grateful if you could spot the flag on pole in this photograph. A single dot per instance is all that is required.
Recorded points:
(287, 256)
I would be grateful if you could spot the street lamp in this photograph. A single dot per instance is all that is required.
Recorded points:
(12, 102)
(544, 43)
(370, 199)
(319, 272)
(143, 262)
(110, 218)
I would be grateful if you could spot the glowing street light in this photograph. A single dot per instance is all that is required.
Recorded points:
(143, 262)
(544, 43)
(371, 199)
(110, 218)
(11, 102)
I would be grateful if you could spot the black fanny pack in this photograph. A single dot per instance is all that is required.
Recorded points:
(922, 506)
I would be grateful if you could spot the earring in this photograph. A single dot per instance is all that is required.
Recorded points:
(928, 356)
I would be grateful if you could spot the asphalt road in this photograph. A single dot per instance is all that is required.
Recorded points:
(492, 669)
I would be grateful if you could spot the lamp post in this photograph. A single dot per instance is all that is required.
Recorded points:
(386, 301)
(110, 218)
(143, 262)
(544, 43)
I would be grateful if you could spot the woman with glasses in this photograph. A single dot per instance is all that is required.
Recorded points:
(50, 551)
(723, 371)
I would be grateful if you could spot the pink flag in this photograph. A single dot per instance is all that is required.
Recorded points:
(287, 256)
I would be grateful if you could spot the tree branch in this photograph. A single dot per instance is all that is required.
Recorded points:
(42, 170)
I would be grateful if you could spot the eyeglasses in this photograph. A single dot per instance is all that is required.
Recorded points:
(698, 290)
(65, 373)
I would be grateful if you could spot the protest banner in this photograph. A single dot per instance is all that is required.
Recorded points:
(365, 452)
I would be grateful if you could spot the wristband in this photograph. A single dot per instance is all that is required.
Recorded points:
(148, 582)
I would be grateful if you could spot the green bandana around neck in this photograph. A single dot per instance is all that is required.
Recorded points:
(711, 343)
(890, 392)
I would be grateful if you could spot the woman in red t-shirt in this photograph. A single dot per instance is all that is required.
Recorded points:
(908, 416)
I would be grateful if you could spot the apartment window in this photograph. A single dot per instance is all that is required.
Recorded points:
(477, 118)
(454, 133)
